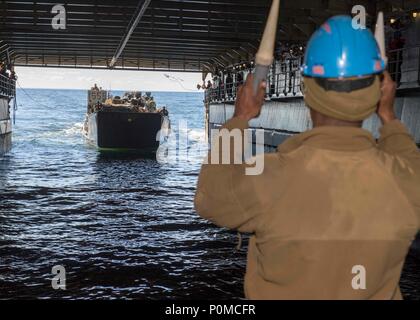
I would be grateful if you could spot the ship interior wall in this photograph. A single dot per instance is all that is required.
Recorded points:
(5, 126)
(281, 119)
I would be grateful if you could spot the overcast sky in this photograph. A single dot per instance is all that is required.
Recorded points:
(53, 78)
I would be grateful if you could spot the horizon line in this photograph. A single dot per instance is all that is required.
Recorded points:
(127, 90)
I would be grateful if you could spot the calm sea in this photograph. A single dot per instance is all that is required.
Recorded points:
(123, 226)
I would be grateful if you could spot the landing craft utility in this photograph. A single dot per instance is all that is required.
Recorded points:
(132, 122)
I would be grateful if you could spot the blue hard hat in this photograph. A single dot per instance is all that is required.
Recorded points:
(337, 50)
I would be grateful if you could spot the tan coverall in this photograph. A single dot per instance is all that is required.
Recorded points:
(332, 207)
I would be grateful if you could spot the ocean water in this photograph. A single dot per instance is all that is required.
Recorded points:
(122, 225)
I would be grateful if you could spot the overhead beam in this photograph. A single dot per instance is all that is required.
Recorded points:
(141, 9)
(170, 34)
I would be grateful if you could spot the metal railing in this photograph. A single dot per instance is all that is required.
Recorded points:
(7, 87)
(397, 67)
(284, 80)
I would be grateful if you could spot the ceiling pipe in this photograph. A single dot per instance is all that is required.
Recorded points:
(141, 9)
